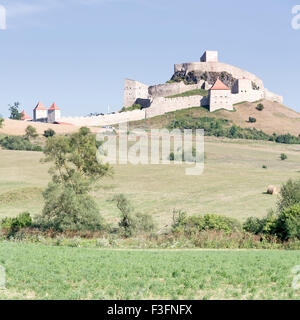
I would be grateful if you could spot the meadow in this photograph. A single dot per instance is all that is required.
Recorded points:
(233, 183)
(45, 272)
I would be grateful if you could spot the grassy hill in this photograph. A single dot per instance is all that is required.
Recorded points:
(233, 183)
(274, 117)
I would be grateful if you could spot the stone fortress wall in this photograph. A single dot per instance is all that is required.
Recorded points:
(154, 101)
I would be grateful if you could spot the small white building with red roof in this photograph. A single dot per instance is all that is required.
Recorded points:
(40, 113)
(54, 113)
(25, 116)
(220, 97)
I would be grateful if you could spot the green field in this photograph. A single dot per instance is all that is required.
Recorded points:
(41, 272)
(233, 183)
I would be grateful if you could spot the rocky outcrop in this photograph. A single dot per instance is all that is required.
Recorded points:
(194, 77)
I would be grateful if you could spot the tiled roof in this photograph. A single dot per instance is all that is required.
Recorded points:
(219, 85)
(39, 106)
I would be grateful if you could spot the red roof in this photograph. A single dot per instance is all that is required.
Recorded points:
(54, 107)
(219, 85)
(39, 106)
(25, 116)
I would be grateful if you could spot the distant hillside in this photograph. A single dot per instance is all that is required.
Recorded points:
(274, 117)
(17, 127)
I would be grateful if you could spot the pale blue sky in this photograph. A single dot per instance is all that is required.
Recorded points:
(78, 52)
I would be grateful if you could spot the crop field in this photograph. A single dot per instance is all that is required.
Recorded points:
(233, 183)
(45, 272)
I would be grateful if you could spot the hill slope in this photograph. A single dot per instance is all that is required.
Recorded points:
(274, 117)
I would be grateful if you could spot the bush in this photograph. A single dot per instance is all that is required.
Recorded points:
(18, 143)
(252, 120)
(131, 223)
(65, 210)
(265, 225)
(283, 156)
(260, 107)
(30, 132)
(264, 166)
(289, 195)
(1, 122)
(49, 133)
(206, 222)
(288, 223)
(13, 225)
(133, 107)
(144, 222)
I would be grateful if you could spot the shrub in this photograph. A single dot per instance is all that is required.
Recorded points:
(264, 166)
(1, 122)
(289, 194)
(265, 225)
(64, 210)
(252, 120)
(18, 143)
(131, 108)
(13, 225)
(206, 222)
(30, 132)
(144, 222)
(288, 223)
(127, 223)
(283, 156)
(131, 223)
(49, 133)
(260, 107)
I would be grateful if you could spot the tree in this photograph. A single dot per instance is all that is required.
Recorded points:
(14, 111)
(252, 120)
(1, 121)
(283, 156)
(260, 107)
(75, 171)
(289, 194)
(49, 133)
(30, 132)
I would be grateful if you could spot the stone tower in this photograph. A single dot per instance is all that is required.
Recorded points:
(209, 56)
(54, 113)
(40, 113)
(220, 97)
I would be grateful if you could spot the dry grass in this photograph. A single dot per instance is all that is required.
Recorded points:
(15, 127)
(233, 182)
(274, 118)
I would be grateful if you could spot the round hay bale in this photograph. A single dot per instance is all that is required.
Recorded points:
(273, 190)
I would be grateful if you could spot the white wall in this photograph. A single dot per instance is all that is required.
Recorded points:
(107, 119)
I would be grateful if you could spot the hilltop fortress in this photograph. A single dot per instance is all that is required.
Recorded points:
(208, 83)
(226, 85)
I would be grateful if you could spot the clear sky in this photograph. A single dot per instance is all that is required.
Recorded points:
(78, 52)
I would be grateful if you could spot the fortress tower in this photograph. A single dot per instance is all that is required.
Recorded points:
(40, 113)
(209, 56)
(220, 97)
(54, 113)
